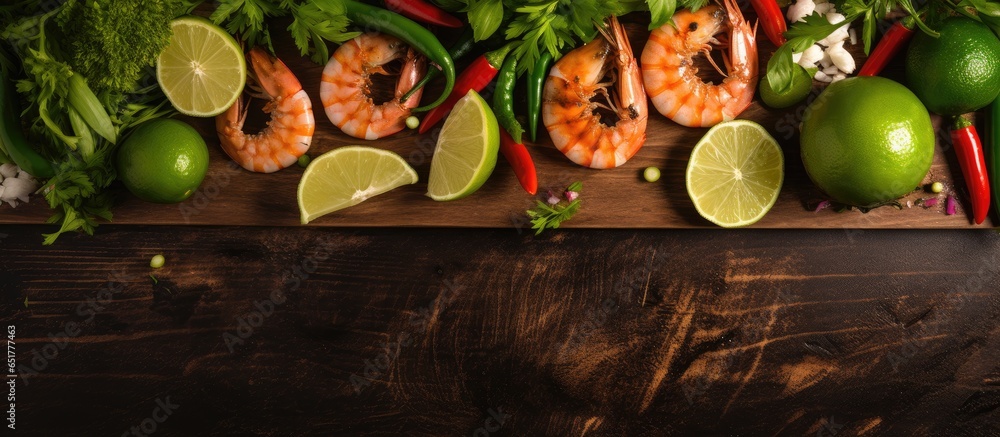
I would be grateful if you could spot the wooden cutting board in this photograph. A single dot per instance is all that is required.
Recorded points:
(617, 198)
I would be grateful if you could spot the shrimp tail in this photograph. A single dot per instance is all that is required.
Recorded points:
(272, 75)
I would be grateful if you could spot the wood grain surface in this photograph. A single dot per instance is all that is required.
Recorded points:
(277, 331)
(616, 198)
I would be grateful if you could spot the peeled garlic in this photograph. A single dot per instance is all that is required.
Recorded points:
(842, 58)
(800, 10)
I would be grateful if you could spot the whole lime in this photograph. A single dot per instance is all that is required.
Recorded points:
(163, 161)
(866, 141)
(801, 85)
(959, 71)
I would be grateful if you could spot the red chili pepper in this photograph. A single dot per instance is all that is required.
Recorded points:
(891, 43)
(969, 150)
(423, 12)
(993, 135)
(772, 19)
(479, 74)
(520, 160)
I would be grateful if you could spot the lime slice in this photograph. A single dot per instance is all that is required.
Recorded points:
(466, 151)
(735, 173)
(347, 176)
(202, 71)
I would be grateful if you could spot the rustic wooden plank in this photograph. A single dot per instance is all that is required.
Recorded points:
(392, 332)
(614, 198)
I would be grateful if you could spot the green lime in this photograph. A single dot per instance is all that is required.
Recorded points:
(735, 173)
(862, 151)
(202, 71)
(163, 161)
(347, 176)
(959, 71)
(802, 81)
(466, 151)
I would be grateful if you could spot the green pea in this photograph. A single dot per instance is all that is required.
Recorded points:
(157, 261)
(651, 174)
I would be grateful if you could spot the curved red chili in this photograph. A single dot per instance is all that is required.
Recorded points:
(771, 19)
(969, 150)
(423, 12)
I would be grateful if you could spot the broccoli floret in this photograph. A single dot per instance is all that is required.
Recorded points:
(112, 41)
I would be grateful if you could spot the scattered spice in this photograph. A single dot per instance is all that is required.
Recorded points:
(822, 205)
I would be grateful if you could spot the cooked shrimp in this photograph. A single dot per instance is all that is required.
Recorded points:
(346, 86)
(569, 114)
(288, 133)
(672, 80)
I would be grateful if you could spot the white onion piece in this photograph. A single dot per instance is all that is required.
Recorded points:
(8, 170)
(17, 189)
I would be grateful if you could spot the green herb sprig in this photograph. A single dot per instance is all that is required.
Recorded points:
(544, 216)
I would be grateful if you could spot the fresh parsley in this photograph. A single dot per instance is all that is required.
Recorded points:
(555, 26)
(544, 216)
(40, 47)
(314, 23)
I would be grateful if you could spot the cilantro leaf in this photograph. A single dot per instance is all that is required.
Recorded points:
(485, 17)
(660, 11)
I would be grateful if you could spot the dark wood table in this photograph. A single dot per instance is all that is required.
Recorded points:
(285, 331)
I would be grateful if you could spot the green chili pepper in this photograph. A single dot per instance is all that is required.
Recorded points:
(503, 98)
(11, 136)
(421, 39)
(536, 80)
(457, 51)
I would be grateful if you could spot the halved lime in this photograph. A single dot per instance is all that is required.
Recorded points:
(202, 71)
(347, 176)
(735, 173)
(466, 151)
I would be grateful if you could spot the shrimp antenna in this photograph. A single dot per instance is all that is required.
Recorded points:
(603, 29)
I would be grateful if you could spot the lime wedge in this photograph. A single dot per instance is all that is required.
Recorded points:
(202, 71)
(466, 151)
(347, 176)
(735, 173)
